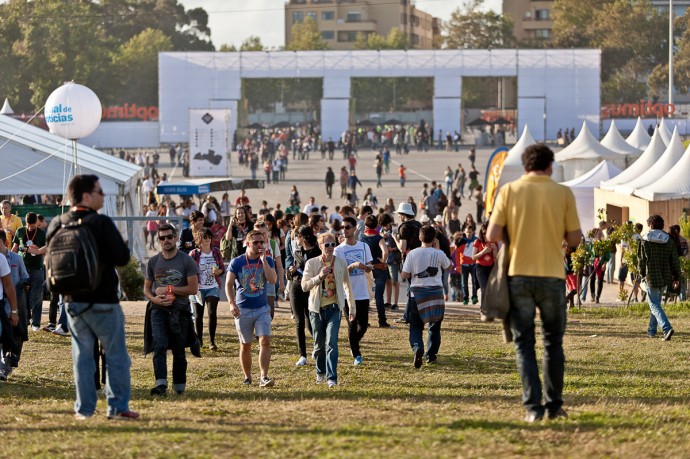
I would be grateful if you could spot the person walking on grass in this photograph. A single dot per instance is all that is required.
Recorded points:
(424, 266)
(660, 269)
(326, 278)
(171, 278)
(359, 264)
(98, 316)
(245, 287)
(536, 278)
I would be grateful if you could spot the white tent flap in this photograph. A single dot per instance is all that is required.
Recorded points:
(639, 138)
(649, 157)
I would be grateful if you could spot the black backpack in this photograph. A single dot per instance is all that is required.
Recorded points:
(414, 241)
(72, 261)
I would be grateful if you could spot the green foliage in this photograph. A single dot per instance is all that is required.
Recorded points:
(252, 43)
(390, 94)
(131, 280)
(396, 39)
(684, 223)
(470, 27)
(581, 257)
(625, 233)
(306, 36)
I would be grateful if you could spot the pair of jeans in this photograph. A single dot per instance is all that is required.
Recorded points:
(526, 295)
(433, 341)
(104, 322)
(358, 327)
(483, 275)
(467, 271)
(329, 190)
(380, 278)
(35, 299)
(163, 339)
(299, 303)
(657, 318)
(326, 325)
(596, 282)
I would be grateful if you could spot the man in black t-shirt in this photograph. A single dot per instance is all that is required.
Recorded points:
(30, 242)
(406, 239)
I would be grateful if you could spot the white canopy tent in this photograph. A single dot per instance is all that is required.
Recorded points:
(664, 131)
(583, 189)
(614, 141)
(6, 108)
(639, 137)
(584, 153)
(671, 156)
(649, 157)
(674, 184)
(512, 165)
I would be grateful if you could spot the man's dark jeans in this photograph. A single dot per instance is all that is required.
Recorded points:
(380, 278)
(526, 295)
(358, 327)
(164, 339)
(433, 342)
(35, 298)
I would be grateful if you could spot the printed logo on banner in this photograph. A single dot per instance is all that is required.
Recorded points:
(208, 143)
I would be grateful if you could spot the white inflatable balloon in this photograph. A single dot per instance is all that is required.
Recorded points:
(73, 111)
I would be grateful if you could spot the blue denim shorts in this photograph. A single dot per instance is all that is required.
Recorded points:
(203, 293)
(253, 320)
(394, 271)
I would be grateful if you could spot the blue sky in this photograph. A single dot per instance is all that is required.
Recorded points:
(232, 21)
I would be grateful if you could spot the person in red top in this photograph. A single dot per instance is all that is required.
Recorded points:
(241, 200)
(463, 257)
(484, 254)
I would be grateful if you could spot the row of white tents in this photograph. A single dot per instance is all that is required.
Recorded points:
(629, 178)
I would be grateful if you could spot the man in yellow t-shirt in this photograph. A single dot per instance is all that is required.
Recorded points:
(537, 215)
(8, 222)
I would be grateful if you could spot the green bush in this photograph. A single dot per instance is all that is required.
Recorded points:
(131, 280)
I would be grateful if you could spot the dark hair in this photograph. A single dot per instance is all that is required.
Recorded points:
(80, 184)
(655, 222)
(195, 214)
(299, 220)
(205, 232)
(427, 234)
(638, 227)
(537, 157)
(307, 234)
(336, 226)
(167, 227)
(351, 221)
(366, 210)
(346, 210)
(385, 219)
(31, 218)
(41, 218)
(482, 232)
(371, 222)
(314, 219)
(275, 229)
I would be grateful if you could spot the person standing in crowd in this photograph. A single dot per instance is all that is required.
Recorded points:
(484, 255)
(98, 316)
(30, 242)
(344, 176)
(393, 258)
(423, 266)
(682, 249)
(9, 222)
(478, 196)
(460, 178)
(660, 269)
(152, 225)
(304, 248)
(326, 278)
(233, 246)
(171, 277)
(330, 180)
(247, 277)
(472, 156)
(189, 236)
(209, 261)
(273, 291)
(448, 177)
(359, 259)
(463, 258)
(536, 278)
(19, 278)
(474, 179)
(379, 252)
(378, 167)
(401, 174)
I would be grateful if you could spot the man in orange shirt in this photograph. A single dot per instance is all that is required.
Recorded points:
(8, 222)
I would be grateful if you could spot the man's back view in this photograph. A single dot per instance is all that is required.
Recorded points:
(537, 215)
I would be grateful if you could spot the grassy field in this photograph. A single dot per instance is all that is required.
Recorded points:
(626, 395)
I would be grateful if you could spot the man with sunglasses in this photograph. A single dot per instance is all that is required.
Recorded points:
(359, 264)
(171, 277)
(97, 316)
(248, 276)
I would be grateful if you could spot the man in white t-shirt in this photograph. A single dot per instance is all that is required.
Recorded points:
(311, 206)
(359, 263)
(424, 266)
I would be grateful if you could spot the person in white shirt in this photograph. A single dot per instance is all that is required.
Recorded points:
(424, 266)
(311, 206)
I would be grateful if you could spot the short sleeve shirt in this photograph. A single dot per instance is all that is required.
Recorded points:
(174, 271)
(23, 238)
(425, 265)
(4, 271)
(250, 281)
(352, 254)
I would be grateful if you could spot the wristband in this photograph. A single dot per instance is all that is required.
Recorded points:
(14, 311)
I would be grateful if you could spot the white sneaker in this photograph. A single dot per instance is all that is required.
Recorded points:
(35, 328)
(332, 383)
(320, 379)
(60, 331)
(301, 362)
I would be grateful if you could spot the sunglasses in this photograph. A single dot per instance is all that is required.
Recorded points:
(167, 236)
(347, 227)
(99, 191)
(329, 244)
(260, 225)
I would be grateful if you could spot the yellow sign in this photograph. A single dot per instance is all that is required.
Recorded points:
(493, 175)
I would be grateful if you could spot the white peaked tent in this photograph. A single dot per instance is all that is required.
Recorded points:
(650, 156)
(664, 131)
(672, 154)
(614, 141)
(584, 153)
(674, 184)
(583, 189)
(639, 138)
(512, 165)
(6, 109)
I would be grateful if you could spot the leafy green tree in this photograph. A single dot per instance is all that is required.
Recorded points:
(658, 79)
(136, 63)
(396, 39)
(226, 48)
(471, 27)
(253, 43)
(306, 36)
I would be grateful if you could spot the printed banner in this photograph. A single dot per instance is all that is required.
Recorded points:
(493, 175)
(209, 143)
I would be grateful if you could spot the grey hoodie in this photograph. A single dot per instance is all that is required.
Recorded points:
(657, 236)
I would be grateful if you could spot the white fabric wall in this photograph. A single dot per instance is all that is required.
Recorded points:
(124, 134)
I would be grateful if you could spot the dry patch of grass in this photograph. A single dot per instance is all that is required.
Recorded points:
(625, 395)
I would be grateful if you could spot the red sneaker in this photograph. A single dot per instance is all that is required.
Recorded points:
(125, 416)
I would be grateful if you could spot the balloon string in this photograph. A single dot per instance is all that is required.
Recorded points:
(22, 128)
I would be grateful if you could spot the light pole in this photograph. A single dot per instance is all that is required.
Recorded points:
(670, 51)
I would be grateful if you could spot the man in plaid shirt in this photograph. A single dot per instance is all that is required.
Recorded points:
(660, 268)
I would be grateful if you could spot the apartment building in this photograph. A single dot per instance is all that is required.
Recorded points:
(341, 20)
(533, 19)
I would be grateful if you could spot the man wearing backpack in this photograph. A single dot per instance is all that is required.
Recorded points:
(97, 315)
(406, 239)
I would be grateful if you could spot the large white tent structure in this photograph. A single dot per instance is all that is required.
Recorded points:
(639, 137)
(674, 184)
(584, 153)
(649, 157)
(614, 141)
(512, 165)
(666, 134)
(38, 162)
(583, 189)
